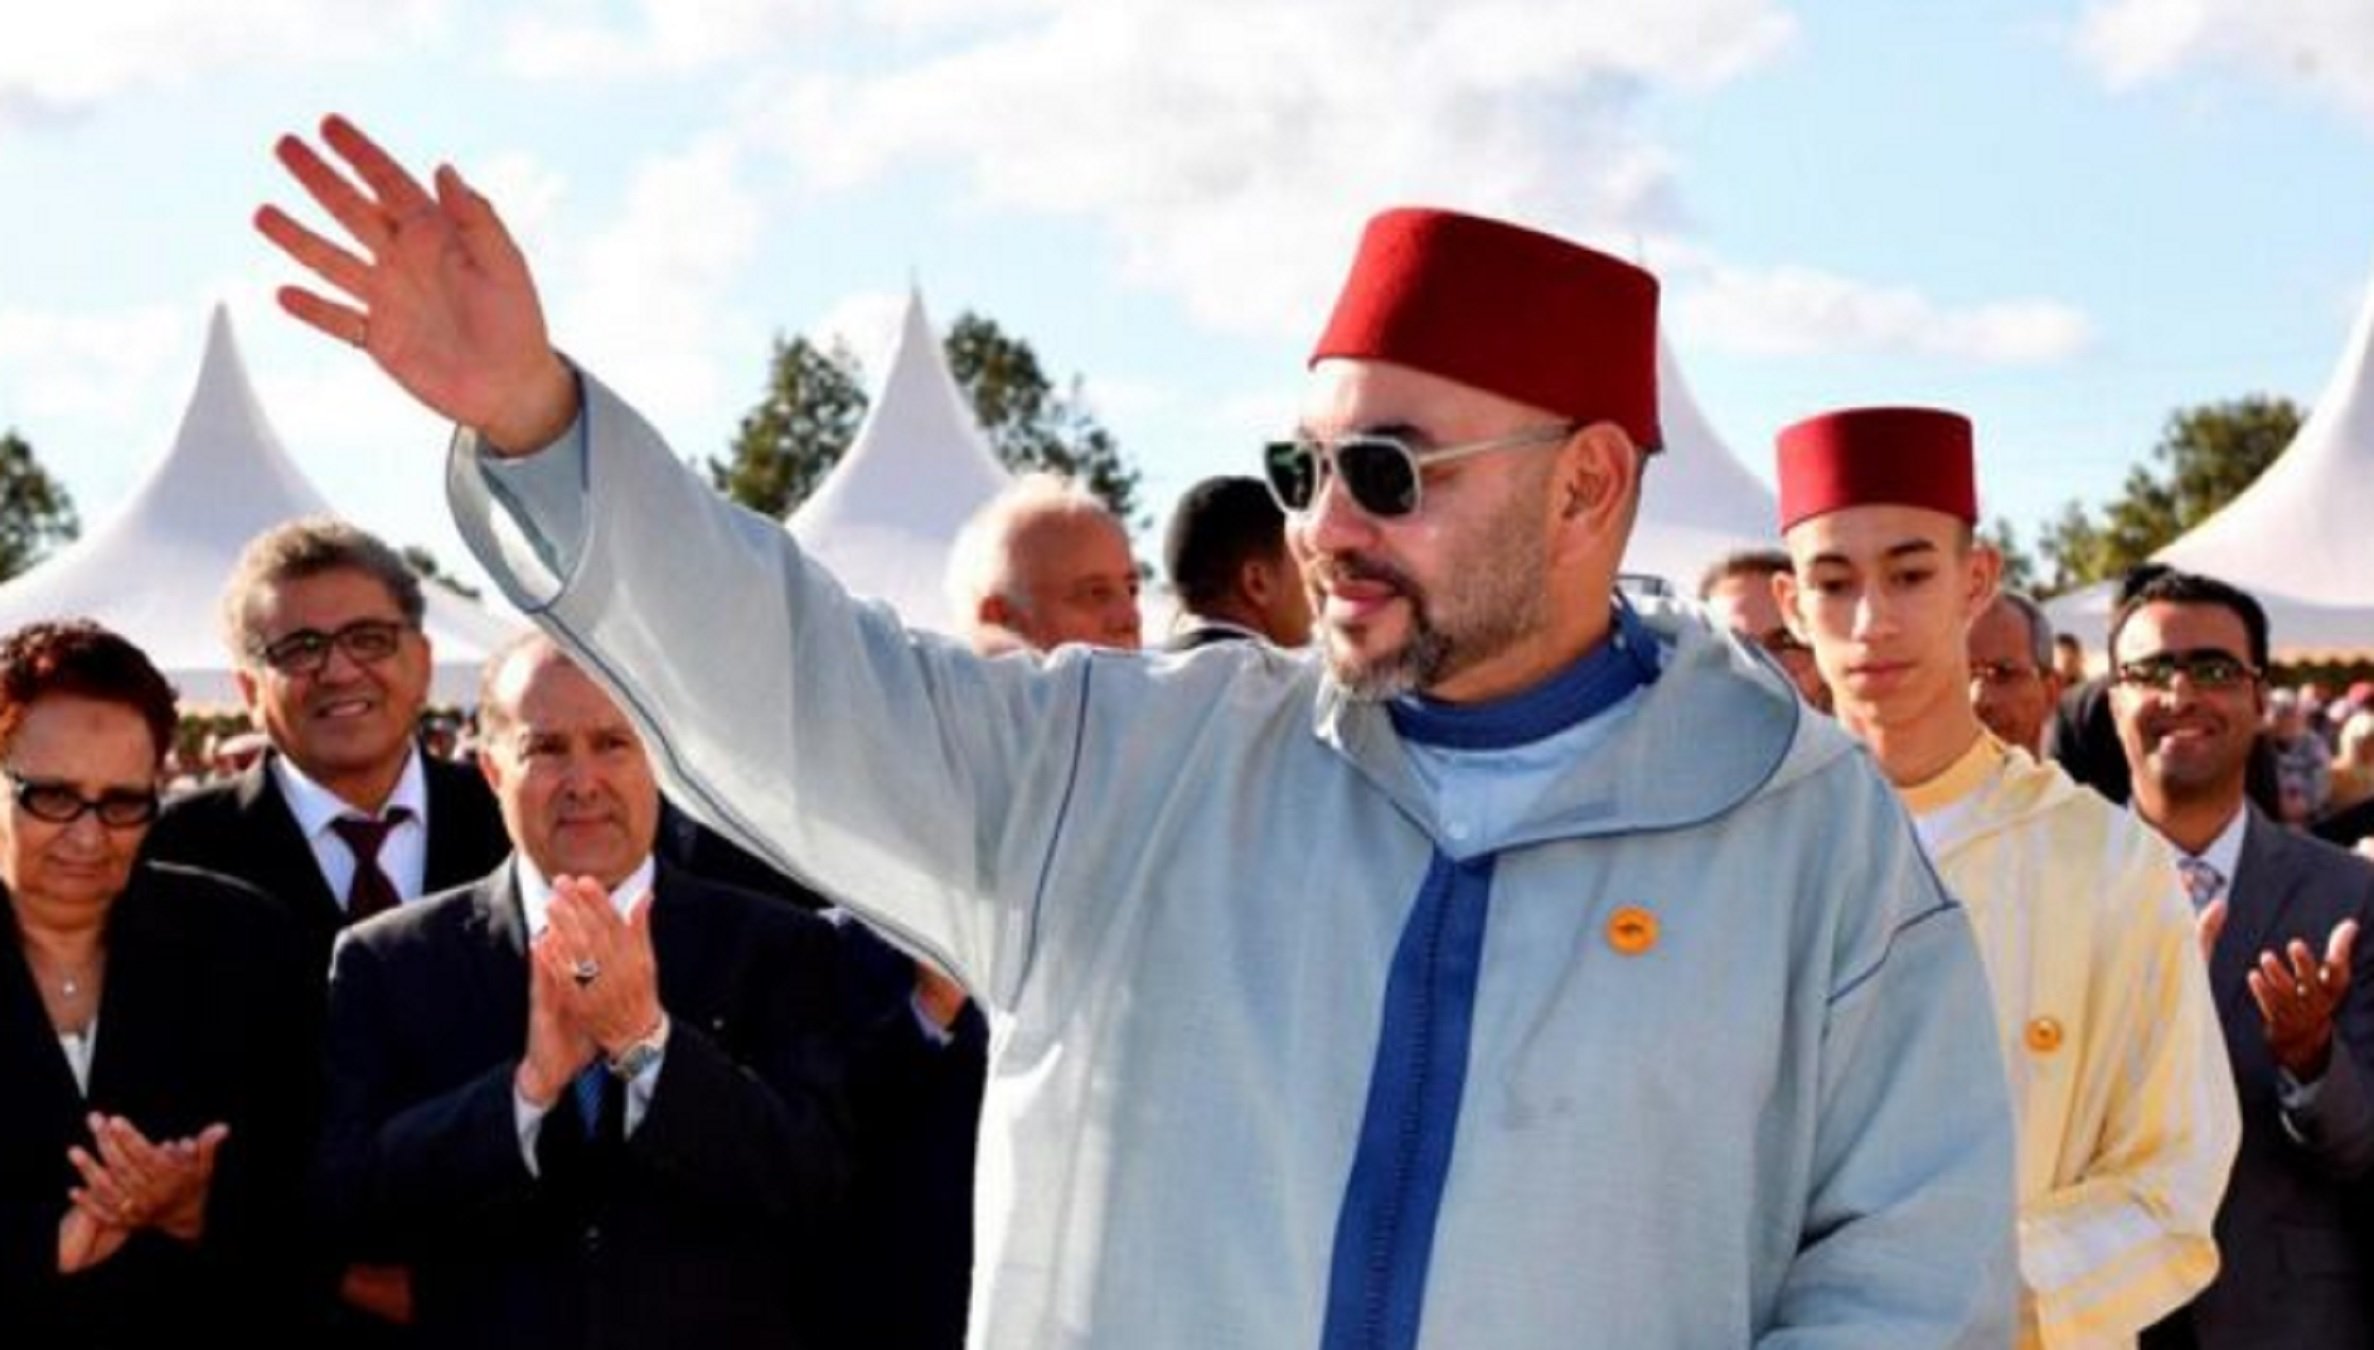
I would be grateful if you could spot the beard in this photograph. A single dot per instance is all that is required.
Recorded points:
(1496, 596)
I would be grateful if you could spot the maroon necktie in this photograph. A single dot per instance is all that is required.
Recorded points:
(370, 892)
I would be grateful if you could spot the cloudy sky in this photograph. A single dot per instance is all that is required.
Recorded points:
(2065, 217)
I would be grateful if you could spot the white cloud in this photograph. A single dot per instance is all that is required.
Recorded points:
(668, 37)
(646, 294)
(1231, 148)
(1796, 311)
(2326, 45)
(867, 322)
(59, 366)
(61, 59)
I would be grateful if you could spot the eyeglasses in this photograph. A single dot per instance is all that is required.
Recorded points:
(2206, 667)
(2001, 674)
(306, 651)
(60, 804)
(1381, 471)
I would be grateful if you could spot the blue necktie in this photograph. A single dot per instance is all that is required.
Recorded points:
(587, 1088)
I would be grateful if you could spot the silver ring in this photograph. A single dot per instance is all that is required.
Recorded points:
(585, 971)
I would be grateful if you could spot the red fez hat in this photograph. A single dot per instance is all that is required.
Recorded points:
(1878, 456)
(1512, 311)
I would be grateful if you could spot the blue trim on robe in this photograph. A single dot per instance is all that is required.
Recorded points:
(1384, 1232)
(1384, 1235)
(1579, 692)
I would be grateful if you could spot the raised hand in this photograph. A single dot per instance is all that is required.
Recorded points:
(434, 289)
(2297, 995)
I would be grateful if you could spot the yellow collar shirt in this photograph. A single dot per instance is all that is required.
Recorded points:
(2125, 1105)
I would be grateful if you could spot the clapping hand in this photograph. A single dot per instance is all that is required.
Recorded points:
(131, 1183)
(2297, 995)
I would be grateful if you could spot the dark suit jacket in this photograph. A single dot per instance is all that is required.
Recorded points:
(2347, 825)
(2296, 1232)
(207, 1015)
(241, 827)
(703, 1229)
(904, 1260)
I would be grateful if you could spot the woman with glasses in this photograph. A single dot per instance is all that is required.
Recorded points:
(156, 1031)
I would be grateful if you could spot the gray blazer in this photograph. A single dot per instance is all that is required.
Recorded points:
(2296, 1233)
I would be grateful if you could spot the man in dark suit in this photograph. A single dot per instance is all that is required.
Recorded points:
(590, 1100)
(324, 623)
(1225, 554)
(2296, 1231)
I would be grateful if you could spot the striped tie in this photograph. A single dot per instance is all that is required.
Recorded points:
(2201, 882)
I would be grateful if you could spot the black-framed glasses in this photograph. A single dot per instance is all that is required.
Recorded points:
(2206, 667)
(306, 651)
(1383, 472)
(63, 804)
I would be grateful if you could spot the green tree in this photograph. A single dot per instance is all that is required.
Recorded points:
(2206, 456)
(815, 401)
(2019, 569)
(1029, 422)
(425, 565)
(799, 430)
(36, 511)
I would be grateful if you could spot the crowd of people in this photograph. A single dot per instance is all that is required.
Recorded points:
(1429, 946)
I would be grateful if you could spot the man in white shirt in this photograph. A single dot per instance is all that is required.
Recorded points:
(2188, 664)
(590, 1100)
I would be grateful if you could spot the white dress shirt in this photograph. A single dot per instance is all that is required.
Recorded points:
(403, 855)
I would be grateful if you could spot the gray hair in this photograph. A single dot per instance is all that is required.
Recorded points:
(2040, 628)
(309, 547)
(981, 561)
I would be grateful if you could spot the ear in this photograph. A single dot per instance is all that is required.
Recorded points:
(492, 772)
(1784, 594)
(250, 693)
(1256, 580)
(1983, 577)
(993, 612)
(1595, 484)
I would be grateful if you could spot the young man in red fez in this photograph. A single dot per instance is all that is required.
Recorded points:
(2127, 1120)
(1523, 968)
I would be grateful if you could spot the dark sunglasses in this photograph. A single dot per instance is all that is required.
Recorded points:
(2206, 667)
(59, 804)
(1382, 472)
(307, 650)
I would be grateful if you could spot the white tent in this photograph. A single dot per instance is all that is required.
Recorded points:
(885, 516)
(1698, 502)
(154, 571)
(2301, 538)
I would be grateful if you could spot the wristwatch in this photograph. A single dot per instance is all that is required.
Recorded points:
(630, 1062)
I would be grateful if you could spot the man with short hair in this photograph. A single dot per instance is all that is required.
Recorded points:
(1527, 967)
(344, 815)
(1044, 563)
(2014, 686)
(2290, 977)
(590, 1100)
(2126, 1114)
(2068, 659)
(1226, 556)
(1738, 591)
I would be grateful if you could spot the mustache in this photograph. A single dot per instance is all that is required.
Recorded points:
(1341, 567)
